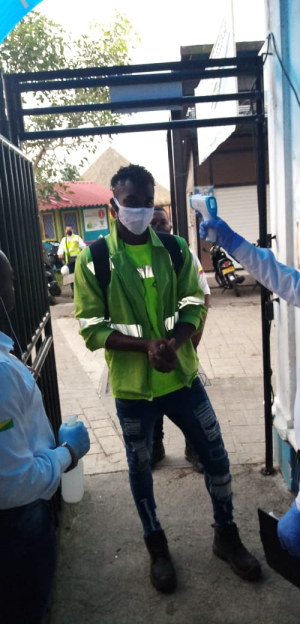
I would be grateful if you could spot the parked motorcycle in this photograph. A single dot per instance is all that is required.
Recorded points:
(225, 273)
(54, 289)
(51, 248)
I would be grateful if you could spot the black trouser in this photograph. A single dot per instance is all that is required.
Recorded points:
(27, 562)
(71, 265)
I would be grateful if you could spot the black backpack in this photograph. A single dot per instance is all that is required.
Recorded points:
(100, 255)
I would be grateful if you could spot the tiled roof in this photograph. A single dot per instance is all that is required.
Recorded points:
(76, 195)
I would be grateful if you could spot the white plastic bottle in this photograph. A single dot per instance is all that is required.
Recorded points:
(72, 483)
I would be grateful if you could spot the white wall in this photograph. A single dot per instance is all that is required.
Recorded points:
(283, 20)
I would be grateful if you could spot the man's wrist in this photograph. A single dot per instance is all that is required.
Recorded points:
(74, 457)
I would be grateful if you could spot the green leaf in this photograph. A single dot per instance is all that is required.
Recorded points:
(39, 44)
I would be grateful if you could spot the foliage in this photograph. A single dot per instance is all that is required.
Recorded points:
(38, 44)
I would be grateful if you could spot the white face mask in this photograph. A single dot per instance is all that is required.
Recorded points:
(136, 220)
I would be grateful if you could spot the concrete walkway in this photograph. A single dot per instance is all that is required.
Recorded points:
(103, 565)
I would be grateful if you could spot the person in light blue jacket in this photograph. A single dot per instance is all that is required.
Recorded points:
(285, 282)
(31, 465)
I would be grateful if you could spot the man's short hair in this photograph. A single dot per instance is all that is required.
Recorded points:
(161, 208)
(135, 173)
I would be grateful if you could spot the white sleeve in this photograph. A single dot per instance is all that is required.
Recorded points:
(24, 476)
(282, 280)
(61, 249)
(200, 272)
(82, 245)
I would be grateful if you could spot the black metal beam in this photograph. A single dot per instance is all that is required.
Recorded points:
(164, 125)
(82, 72)
(114, 106)
(179, 178)
(265, 294)
(172, 183)
(133, 79)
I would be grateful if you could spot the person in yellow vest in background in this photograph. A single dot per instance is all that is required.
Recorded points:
(69, 248)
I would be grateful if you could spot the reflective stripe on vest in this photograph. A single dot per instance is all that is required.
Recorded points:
(145, 271)
(72, 247)
(171, 321)
(190, 301)
(84, 323)
(135, 331)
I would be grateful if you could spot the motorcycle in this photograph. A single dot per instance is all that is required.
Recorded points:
(51, 248)
(225, 273)
(54, 289)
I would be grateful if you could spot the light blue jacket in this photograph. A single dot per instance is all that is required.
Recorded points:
(30, 465)
(277, 277)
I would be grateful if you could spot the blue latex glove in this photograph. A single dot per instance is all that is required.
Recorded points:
(76, 436)
(226, 237)
(288, 530)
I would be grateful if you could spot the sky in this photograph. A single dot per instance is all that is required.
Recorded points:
(163, 26)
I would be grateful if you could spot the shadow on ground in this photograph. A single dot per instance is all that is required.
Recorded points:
(103, 567)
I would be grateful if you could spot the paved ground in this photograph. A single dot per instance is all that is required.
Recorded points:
(103, 566)
(102, 574)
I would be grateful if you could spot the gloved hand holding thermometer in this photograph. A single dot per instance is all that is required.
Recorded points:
(224, 236)
(206, 205)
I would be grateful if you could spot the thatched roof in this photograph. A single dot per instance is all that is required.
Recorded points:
(102, 170)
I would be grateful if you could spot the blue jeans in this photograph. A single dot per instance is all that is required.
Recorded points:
(191, 410)
(158, 432)
(27, 562)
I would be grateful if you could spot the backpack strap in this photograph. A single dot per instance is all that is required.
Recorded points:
(100, 255)
(172, 246)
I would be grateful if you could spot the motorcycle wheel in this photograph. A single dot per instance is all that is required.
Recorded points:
(236, 290)
(219, 281)
(51, 299)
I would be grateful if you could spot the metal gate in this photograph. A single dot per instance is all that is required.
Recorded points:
(20, 240)
(12, 114)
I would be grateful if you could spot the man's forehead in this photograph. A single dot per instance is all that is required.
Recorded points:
(160, 214)
(128, 187)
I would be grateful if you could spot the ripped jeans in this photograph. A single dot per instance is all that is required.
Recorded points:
(190, 409)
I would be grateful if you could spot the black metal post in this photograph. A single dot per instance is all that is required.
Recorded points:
(4, 129)
(172, 183)
(180, 179)
(13, 111)
(265, 294)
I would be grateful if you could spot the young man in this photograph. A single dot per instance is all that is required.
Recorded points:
(285, 282)
(152, 315)
(31, 466)
(161, 223)
(70, 247)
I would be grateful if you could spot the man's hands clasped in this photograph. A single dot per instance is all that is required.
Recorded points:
(162, 354)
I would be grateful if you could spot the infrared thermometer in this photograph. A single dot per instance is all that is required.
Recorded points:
(208, 208)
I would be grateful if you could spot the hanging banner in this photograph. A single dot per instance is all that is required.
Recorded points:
(12, 12)
(210, 138)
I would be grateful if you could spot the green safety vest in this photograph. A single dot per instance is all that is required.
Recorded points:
(71, 247)
(180, 299)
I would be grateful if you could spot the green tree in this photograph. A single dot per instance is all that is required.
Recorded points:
(38, 44)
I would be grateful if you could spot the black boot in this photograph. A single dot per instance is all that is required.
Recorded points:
(158, 452)
(228, 545)
(192, 457)
(162, 571)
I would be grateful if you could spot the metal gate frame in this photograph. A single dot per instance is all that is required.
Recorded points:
(12, 115)
(20, 240)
